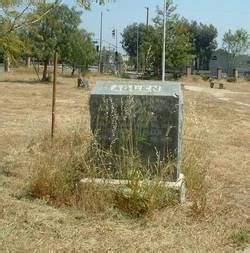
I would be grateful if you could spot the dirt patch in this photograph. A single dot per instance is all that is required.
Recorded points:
(222, 94)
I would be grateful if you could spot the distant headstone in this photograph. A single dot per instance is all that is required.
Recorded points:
(82, 83)
(221, 86)
(145, 114)
(236, 73)
(28, 60)
(211, 82)
(188, 71)
(219, 73)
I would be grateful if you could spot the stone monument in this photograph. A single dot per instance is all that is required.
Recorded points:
(188, 71)
(219, 73)
(148, 114)
(236, 73)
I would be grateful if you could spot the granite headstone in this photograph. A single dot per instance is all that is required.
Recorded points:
(149, 113)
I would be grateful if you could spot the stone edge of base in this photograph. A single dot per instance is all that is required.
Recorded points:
(179, 185)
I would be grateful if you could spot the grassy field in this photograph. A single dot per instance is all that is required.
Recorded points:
(216, 122)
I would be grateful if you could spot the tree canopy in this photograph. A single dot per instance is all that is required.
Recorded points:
(78, 50)
(16, 15)
(58, 31)
(235, 44)
(203, 39)
(129, 40)
(178, 45)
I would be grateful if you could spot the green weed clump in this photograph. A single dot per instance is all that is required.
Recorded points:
(241, 238)
(231, 79)
(247, 78)
(205, 77)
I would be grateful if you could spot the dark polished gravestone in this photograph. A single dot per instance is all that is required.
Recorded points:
(146, 115)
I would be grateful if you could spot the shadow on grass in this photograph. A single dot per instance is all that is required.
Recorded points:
(25, 82)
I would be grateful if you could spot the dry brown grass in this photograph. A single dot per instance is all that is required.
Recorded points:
(216, 132)
(57, 168)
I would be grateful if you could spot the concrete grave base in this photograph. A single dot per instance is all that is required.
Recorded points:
(179, 185)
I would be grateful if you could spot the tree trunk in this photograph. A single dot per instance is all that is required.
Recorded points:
(6, 63)
(45, 70)
(73, 71)
(198, 63)
(28, 61)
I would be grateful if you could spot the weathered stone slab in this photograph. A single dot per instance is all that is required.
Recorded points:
(147, 115)
(178, 185)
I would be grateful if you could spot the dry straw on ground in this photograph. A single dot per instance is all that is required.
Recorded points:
(57, 168)
(216, 163)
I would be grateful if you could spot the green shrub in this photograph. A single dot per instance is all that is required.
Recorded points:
(205, 77)
(241, 238)
(231, 79)
(125, 75)
(247, 78)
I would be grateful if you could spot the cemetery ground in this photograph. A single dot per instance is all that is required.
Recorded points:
(216, 161)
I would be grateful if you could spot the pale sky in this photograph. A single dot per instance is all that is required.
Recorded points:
(223, 14)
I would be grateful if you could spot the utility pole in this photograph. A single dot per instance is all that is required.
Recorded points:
(116, 52)
(147, 19)
(54, 96)
(116, 40)
(137, 50)
(115, 36)
(164, 42)
(100, 49)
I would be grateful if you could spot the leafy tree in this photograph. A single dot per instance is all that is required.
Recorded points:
(178, 46)
(148, 38)
(87, 3)
(150, 48)
(20, 14)
(78, 50)
(14, 15)
(170, 13)
(53, 32)
(11, 46)
(203, 38)
(111, 60)
(235, 44)
(17, 14)
(130, 35)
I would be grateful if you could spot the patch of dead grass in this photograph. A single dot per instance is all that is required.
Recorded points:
(33, 225)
